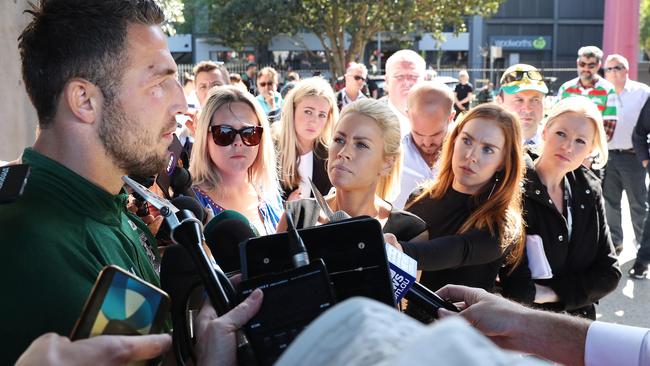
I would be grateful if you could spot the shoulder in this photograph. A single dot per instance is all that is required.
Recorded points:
(405, 225)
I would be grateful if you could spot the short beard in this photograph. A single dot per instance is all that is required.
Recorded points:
(128, 143)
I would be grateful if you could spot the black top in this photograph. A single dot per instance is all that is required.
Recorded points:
(404, 225)
(641, 131)
(583, 262)
(472, 258)
(318, 174)
(462, 90)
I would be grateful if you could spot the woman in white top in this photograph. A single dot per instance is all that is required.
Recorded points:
(302, 137)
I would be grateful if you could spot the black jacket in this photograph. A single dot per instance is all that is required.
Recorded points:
(585, 267)
(641, 131)
(318, 176)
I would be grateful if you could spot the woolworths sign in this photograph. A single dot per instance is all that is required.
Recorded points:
(522, 43)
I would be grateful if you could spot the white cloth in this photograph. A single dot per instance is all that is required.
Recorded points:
(630, 101)
(415, 171)
(345, 98)
(360, 332)
(404, 123)
(615, 344)
(538, 264)
(305, 169)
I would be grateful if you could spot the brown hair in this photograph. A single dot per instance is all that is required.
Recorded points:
(501, 211)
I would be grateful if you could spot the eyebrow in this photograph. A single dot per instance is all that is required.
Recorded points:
(162, 72)
(354, 137)
(484, 143)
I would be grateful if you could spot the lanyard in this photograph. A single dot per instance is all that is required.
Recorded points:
(567, 205)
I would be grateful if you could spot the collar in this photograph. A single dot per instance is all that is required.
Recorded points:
(62, 186)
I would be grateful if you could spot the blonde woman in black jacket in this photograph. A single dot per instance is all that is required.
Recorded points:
(570, 262)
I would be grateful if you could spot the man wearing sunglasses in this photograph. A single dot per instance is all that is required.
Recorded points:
(522, 91)
(591, 85)
(355, 77)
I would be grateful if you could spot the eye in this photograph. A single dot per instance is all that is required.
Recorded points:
(308, 112)
(488, 150)
(361, 145)
(560, 133)
(338, 140)
(581, 141)
(466, 141)
(322, 115)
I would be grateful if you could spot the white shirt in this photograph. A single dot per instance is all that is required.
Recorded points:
(615, 344)
(305, 169)
(345, 98)
(415, 171)
(630, 101)
(404, 123)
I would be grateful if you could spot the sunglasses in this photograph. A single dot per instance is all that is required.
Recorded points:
(590, 65)
(224, 135)
(519, 75)
(265, 84)
(357, 78)
(614, 68)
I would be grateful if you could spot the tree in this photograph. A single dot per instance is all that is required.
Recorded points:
(239, 22)
(644, 35)
(173, 10)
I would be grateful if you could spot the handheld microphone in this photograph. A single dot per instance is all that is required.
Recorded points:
(182, 203)
(297, 249)
(180, 182)
(223, 234)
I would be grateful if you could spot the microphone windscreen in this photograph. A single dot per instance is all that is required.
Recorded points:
(180, 180)
(191, 204)
(223, 234)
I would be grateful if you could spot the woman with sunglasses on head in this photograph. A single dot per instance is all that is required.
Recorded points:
(570, 262)
(233, 159)
(364, 163)
(302, 136)
(473, 208)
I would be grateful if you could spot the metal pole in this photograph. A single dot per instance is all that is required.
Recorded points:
(379, 52)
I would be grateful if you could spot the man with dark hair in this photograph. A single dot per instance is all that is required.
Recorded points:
(248, 77)
(208, 74)
(104, 85)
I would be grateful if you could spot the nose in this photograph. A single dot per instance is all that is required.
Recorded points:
(178, 103)
(344, 152)
(471, 154)
(237, 142)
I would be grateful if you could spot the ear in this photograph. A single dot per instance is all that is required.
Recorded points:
(83, 99)
(451, 116)
(387, 166)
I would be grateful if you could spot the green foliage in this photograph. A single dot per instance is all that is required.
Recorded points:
(173, 10)
(246, 22)
(644, 20)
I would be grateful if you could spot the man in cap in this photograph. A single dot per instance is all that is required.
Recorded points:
(522, 92)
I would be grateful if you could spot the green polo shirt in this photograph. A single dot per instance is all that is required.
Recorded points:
(55, 240)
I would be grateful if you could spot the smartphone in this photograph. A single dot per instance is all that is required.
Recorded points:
(121, 304)
(13, 179)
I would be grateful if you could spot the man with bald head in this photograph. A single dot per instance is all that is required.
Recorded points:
(430, 111)
(404, 69)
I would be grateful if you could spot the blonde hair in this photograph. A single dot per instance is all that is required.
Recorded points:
(585, 107)
(270, 72)
(262, 173)
(388, 185)
(285, 131)
(501, 211)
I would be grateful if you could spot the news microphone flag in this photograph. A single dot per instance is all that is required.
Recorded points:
(403, 270)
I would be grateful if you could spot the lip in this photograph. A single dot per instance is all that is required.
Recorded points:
(237, 156)
(341, 168)
(467, 170)
(562, 157)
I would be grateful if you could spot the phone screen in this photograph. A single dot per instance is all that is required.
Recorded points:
(121, 304)
(13, 179)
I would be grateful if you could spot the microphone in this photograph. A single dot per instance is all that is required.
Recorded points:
(181, 182)
(182, 203)
(297, 249)
(223, 234)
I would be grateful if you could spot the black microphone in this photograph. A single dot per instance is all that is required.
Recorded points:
(181, 182)
(182, 203)
(223, 234)
(297, 249)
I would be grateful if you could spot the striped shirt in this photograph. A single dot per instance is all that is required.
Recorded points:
(602, 94)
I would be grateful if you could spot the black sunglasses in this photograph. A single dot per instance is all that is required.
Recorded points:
(224, 135)
(357, 78)
(519, 75)
(265, 84)
(590, 65)
(614, 68)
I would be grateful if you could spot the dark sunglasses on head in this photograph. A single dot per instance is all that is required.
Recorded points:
(590, 65)
(265, 84)
(357, 78)
(614, 68)
(519, 75)
(224, 135)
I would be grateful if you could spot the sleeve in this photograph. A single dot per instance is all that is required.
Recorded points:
(610, 111)
(585, 288)
(560, 92)
(471, 248)
(518, 283)
(615, 344)
(640, 134)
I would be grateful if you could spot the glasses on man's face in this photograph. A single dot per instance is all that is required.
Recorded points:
(224, 135)
(614, 68)
(590, 65)
(519, 75)
(264, 84)
(357, 78)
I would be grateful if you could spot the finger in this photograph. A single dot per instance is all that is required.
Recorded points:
(444, 313)
(456, 293)
(155, 225)
(236, 280)
(125, 349)
(242, 313)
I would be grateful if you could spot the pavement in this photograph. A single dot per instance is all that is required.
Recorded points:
(630, 303)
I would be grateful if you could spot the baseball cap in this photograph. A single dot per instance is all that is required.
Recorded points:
(520, 77)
